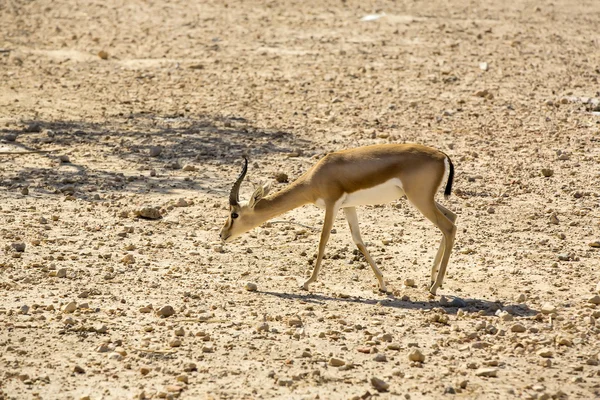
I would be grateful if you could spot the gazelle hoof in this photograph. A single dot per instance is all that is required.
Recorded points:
(432, 289)
(304, 286)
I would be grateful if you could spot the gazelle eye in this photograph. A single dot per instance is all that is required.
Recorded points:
(234, 215)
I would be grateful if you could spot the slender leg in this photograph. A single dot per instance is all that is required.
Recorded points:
(428, 207)
(438, 257)
(352, 218)
(330, 213)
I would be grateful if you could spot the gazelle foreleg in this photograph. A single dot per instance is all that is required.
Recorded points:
(330, 213)
(438, 257)
(352, 218)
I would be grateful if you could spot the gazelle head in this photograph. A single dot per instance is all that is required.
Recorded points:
(242, 216)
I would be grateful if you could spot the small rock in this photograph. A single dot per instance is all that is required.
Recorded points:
(521, 298)
(595, 244)
(380, 357)
(183, 378)
(519, 328)
(154, 151)
(547, 172)
(78, 370)
(182, 203)
(101, 328)
(545, 353)
(145, 310)
(262, 327)
(190, 168)
(548, 308)
(25, 191)
(128, 259)
(208, 348)
(416, 355)
(491, 210)
(148, 212)
(554, 219)
(18, 247)
(64, 159)
(61, 273)
(594, 299)
(165, 311)
(449, 390)
(173, 388)
(336, 362)
(145, 370)
(483, 66)
(70, 308)
(379, 384)
(598, 288)
(409, 282)
(285, 382)
(179, 332)
(103, 55)
(489, 372)
(281, 177)
(175, 343)
(251, 287)
(24, 309)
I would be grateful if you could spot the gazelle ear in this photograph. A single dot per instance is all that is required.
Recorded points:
(259, 194)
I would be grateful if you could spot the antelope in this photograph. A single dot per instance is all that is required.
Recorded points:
(369, 175)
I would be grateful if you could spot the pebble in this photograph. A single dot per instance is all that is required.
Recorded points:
(548, 308)
(519, 328)
(101, 328)
(148, 212)
(594, 299)
(379, 384)
(145, 310)
(380, 357)
(175, 343)
(25, 191)
(336, 362)
(489, 372)
(483, 66)
(554, 219)
(70, 307)
(416, 355)
(281, 177)
(18, 247)
(521, 298)
(155, 151)
(24, 309)
(61, 273)
(182, 203)
(547, 172)
(595, 244)
(190, 168)
(78, 370)
(262, 327)
(179, 332)
(165, 311)
(251, 287)
(455, 302)
(103, 55)
(183, 378)
(546, 353)
(128, 259)
(145, 370)
(208, 348)
(64, 159)
(409, 282)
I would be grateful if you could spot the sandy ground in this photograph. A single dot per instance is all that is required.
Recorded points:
(506, 89)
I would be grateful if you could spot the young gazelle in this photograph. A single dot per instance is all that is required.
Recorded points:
(345, 179)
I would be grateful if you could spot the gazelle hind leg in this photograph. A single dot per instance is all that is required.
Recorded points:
(330, 214)
(352, 219)
(424, 202)
(438, 257)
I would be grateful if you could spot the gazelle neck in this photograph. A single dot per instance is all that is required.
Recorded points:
(293, 196)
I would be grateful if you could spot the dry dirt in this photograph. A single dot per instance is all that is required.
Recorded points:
(102, 83)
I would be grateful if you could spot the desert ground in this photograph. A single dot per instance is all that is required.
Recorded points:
(123, 125)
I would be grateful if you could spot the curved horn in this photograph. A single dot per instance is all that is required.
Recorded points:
(234, 195)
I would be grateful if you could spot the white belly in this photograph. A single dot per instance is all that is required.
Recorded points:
(380, 194)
